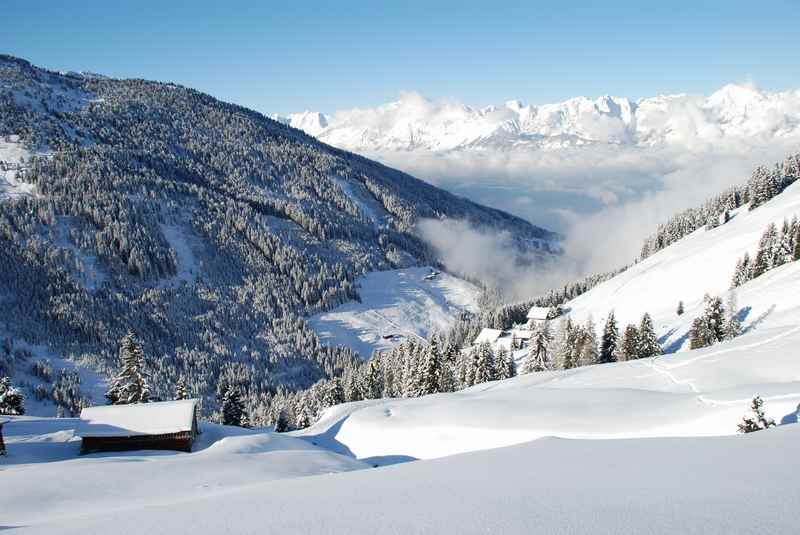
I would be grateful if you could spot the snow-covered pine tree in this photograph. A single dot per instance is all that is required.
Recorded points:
(560, 348)
(504, 364)
(281, 422)
(629, 345)
(538, 358)
(352, 386)
(764, 255)
(589, 352)
(181, 390)
(432, 369)
(699, 334)
(483, 364)
(12, 402)
(232, 406)
(608, 344)
(371, 384)
(714, 315)
(333, 393)
(648, 342)
(759, 421)
(130, 385)
(447, 381)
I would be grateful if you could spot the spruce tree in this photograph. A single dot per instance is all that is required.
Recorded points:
(181, 391)
(759, 421)
(538, 358)
(796, 244)
(714, 316)
(281, 422)
(680, 308)
(764, 255)
(432, 370)
(589, 352)
(629, 346)
(608, 344)
(12, 402)
(483, 364)
(648, 342)
(371, 385)
(232, 406)
(130, 385)
(334, 393)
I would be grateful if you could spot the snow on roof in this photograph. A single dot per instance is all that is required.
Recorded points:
(488, 335)
(522, 333)
(538, 313)
(159, 418)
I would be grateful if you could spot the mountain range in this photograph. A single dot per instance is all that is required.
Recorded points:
(414, 123)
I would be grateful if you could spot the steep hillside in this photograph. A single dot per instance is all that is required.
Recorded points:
(698, 264)
(207, 228)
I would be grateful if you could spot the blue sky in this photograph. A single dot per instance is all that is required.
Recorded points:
(332, 55)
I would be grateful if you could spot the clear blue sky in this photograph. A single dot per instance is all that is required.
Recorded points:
(295, 55)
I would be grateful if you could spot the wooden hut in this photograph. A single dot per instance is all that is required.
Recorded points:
(2, 444)
(164, 425)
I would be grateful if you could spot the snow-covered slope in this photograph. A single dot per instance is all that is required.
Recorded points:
(700, 263)
(12, 160)
(691, 486)
(51, 482)
(415, 123)
(396, 305)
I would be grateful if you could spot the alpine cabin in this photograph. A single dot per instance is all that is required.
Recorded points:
(164, 425)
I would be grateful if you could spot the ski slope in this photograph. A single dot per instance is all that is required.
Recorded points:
(396, 305)
(700, 263)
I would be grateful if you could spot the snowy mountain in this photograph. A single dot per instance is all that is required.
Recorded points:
(414, 123)
(207, 228)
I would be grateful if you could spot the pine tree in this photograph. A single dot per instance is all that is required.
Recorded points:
(796, 243)
(181, 391)
(680, 308)
(759, 421)
(333, 393)
(371, 385)
(281, 422)
(483, 364)
(432, 370)
(130, 385)
(447, 381)
(232, 406)
(352, 386)
(588, 352)
(504, 364)
(700, 335)
(12, 402)
(764, 255)
(538, 358)
(648, 342)
(629, 346)
(715, 318)
(608, 344)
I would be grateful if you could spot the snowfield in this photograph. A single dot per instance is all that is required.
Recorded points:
(708, 486)
(12, 159)
(396, 305)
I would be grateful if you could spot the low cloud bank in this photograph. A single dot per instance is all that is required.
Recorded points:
(605, 200)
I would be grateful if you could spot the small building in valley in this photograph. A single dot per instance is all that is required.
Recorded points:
(164, 425)
(2, 444)
(537, 316)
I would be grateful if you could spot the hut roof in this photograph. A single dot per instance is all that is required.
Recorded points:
(158, 418)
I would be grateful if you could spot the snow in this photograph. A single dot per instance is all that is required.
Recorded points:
(43, 462)
(414, 123)
(157, 418)
(700, 263)
(538, 313)
(741, 484)
(12, 158)
(396, 305)
(179, 240)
